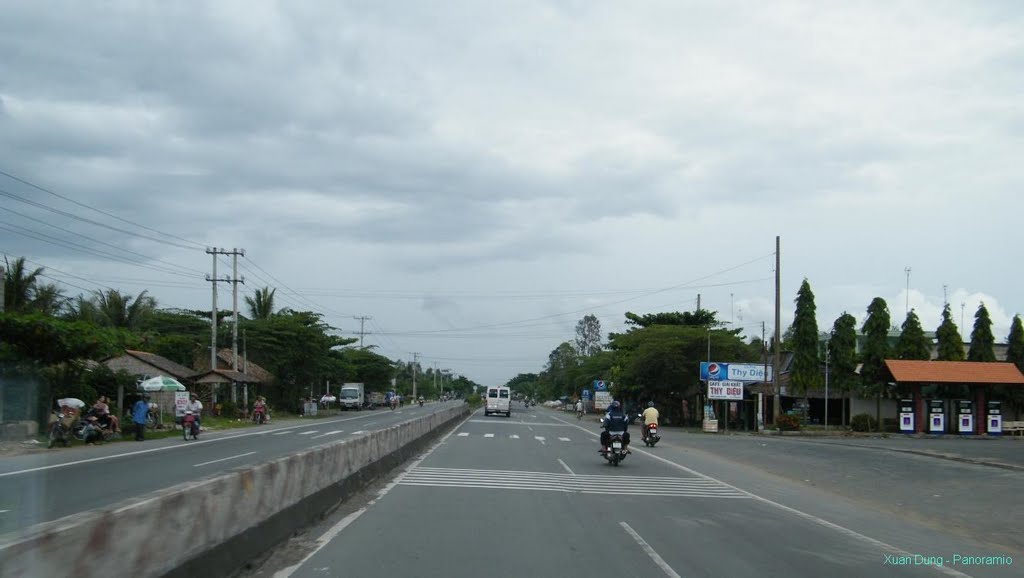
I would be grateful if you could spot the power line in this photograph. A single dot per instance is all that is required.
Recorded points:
(90, 221)
(102, 212)
(182, 267)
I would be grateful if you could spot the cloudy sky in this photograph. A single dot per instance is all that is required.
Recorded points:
(477, 176)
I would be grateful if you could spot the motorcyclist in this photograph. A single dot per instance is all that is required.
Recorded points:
(615, 420)
(579, 408)
(650, 416)
(196, 407)
(105, 419)
(259, 407)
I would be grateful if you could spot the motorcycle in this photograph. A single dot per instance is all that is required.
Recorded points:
(259, 415)
(615, 452)
(189, 426)
(651, 436)
(394, 403)
(61, 429)
(90, 429)
(421, 402)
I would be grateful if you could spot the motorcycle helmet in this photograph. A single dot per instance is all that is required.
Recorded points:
(615, 404)
(650, 404)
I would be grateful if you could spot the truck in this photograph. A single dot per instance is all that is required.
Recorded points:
(376, 399)
(351, 396)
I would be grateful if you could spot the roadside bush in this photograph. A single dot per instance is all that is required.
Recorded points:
(863, 422)
(228, 409)
(474, 401)
(788, 423)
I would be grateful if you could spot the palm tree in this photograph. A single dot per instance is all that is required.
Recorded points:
(48, 299)
(19, 285)
(261, 305)
(114, 309)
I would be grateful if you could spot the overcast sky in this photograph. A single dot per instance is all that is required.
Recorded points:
(513, 166)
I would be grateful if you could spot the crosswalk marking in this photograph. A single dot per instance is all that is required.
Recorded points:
(558, 482)
(514, 436)
(463, 434)
(488, 435)
(565, 439)
(540, 439)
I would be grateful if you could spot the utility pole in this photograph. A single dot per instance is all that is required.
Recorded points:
(234, 329)
(214, 252)
(415, 357)
(778, 333)
(698, 303)
(362, 320)
(907, 271)
(963, 336)
(3, 283)
(828, 353)
(760, 394)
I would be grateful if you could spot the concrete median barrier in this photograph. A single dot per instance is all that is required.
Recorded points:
(211, 527)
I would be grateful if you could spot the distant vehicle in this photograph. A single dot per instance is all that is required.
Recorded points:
(351, 396)
(498, 400)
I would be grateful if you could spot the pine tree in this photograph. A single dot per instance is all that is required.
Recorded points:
(951, 345)
(806, 373)
(876, 349)
(982, 340)
(843, 356)
(912, 343)
(1015, 343)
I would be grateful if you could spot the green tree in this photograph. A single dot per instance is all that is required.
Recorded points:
(701, 317)
(806, 372)
(48, 299)
(950, 344)
(1015, 343)
(876, 350)
(115, 309)
(588, 336)
(982, 340)
(912, 343)
(261, 304)
(562, 363)
(19, 285)
(843, 357)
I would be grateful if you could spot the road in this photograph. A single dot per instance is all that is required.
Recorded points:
(530, 496)
(47, 486)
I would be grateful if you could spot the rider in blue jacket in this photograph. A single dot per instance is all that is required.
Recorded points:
(614, 421)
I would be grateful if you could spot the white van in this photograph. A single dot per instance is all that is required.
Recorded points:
(499, 400)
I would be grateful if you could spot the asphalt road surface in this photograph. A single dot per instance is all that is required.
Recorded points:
(530, 496)
(47, 486)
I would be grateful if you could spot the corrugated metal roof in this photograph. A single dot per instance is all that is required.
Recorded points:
(968, 372)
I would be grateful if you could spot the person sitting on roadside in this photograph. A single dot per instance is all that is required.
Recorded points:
(106, 419)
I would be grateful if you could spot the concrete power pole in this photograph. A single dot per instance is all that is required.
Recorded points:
(415, 360)
(213, 312)
(3, 284)
(234, 330)
(778, 335)
(362, 319)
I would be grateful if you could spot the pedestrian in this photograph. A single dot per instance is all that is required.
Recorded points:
(139, 412)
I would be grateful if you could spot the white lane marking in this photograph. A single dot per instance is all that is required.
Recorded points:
(464, 434)
(330, 433)
(488, 435)
(810, 517)
(355, 433)
(4, 511)
(519, 422)
(223, 459)
(173, 447)
(650, 552)
(281, 433)
(565, 439)
(540, 439)
(566, 467)
(514, 436)
(306, 433)
(347, 520)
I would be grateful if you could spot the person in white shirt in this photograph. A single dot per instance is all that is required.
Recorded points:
(195, 406)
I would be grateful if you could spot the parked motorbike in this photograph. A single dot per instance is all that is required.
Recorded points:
(61, 429)
(615, 453)
(189, 426)
(90, 430)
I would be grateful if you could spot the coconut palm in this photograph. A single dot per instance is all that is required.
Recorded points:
(261, 304)
(114, 309)
(19, 285)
